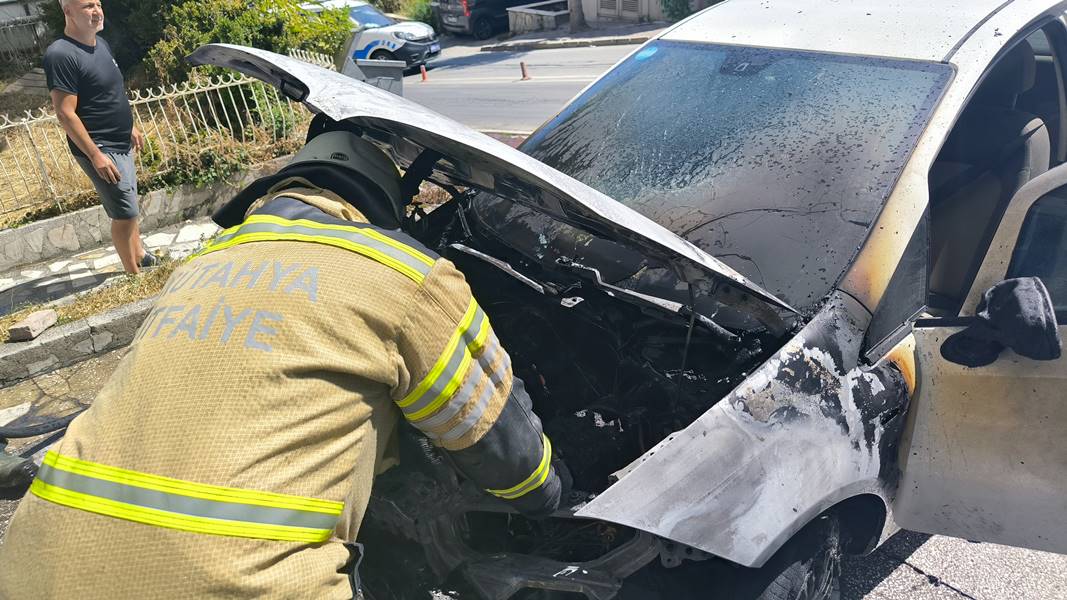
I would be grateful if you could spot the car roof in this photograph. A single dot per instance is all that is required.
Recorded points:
(912, 29)
(328, 4)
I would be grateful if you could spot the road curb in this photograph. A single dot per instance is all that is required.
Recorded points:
(72, 342)
(549, 44)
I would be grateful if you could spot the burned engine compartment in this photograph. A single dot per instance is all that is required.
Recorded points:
(606, 378)
(609, 379)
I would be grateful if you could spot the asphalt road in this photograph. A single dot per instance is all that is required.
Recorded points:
(910, 566)
(484, 90)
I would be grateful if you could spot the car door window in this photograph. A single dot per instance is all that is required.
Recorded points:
(1002, 140)
(1042, 247)
(1047, 99)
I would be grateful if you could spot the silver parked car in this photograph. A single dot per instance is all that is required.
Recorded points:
(784, 280)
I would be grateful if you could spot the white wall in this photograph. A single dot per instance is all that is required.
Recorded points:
(651, 10)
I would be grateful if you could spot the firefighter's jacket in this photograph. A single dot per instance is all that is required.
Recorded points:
(232, 452)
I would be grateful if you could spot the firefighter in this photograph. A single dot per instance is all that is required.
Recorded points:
(233, 450)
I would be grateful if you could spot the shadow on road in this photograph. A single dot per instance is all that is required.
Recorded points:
(861, 574)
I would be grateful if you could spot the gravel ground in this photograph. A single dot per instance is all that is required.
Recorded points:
(56, 393)
(911, 566)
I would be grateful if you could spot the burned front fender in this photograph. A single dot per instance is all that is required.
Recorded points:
(809, 428)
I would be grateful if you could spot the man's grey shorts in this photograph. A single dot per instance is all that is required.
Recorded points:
(120, 199)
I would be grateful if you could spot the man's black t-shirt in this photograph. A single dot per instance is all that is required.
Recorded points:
(91, 73)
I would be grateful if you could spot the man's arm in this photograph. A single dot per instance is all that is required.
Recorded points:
(457, 388)
(66, 105)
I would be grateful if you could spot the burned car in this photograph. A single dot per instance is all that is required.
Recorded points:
(775, 294)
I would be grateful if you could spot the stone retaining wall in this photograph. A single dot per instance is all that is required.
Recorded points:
(90, 228)
(539, 16)
(71, 343)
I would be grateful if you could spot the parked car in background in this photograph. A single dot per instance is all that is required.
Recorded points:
(480, 18)
(773, 285)
(377, 36)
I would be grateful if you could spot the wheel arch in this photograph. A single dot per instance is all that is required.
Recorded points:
(863, 520)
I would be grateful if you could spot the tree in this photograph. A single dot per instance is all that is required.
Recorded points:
(576, 16)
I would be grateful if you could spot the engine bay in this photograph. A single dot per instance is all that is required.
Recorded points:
(609, 380)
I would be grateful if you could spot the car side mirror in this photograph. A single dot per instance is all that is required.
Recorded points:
(1015, 313)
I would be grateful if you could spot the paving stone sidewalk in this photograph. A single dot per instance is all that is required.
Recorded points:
(64, 277)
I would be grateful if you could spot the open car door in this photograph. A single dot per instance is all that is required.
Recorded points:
(984, 456)
(463, 157)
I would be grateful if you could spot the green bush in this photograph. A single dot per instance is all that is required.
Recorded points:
(163, 32)
(676, 10)
(272, 112)
(389, 6)
(131, 28)
(419, 10)
(276, 25)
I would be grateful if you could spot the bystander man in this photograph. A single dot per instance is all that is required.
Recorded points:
(90, 100)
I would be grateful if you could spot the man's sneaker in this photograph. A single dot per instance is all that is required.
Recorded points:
(150, 260)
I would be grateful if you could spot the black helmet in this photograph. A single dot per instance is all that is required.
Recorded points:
(342, 162)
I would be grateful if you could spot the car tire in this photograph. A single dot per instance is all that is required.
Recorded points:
(382, 55)
(482, 29)
(807, 567)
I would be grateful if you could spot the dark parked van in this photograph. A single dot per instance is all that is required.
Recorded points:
(480, 18)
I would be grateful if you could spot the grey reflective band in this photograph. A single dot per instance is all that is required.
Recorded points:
(184, 504)
(372, 243)
(466, 394)
(450, 372)
(472, 418)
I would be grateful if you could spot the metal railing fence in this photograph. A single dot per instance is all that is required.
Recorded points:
(187, 126)
(22, 40)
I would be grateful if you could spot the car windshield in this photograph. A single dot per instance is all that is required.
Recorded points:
(777, 162)
(367, 16)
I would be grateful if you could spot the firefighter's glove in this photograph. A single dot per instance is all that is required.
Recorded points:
(16, 475)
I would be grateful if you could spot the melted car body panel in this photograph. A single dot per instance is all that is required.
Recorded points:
(469, 158)
(809, 428)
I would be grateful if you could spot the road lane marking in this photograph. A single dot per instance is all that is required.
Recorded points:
(534, 79)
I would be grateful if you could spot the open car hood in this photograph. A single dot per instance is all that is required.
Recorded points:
(470, 159)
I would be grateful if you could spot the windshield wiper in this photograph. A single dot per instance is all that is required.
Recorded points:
(671, 306)
(633, 297)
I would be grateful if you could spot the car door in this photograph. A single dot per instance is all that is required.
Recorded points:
(984, 456)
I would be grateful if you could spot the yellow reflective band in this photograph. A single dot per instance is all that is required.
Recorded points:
(366, 241)
(160, 518)
(534, 481)
(183, 505)
(479, 340)
(444, 359)
(446, 392)
(328, 241)
(371, 233)
(189, 488)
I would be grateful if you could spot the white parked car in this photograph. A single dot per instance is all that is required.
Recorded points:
(773, 284)
(376, 36)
